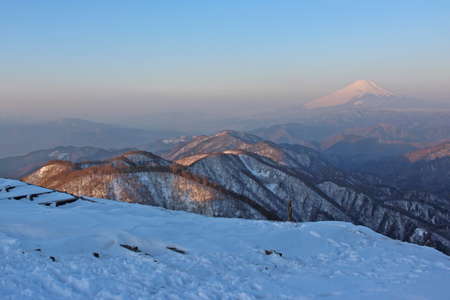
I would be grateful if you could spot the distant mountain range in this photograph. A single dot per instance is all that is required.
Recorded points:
(18, 166)
(19, 139)
(362, 104)
(412, 128)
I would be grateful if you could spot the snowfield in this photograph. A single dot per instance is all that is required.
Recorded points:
(112, 250)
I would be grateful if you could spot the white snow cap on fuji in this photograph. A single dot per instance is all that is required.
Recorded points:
(351, 92)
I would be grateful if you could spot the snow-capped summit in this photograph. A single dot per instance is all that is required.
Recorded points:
(350, 94)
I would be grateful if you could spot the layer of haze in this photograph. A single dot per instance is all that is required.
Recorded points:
(107, 59)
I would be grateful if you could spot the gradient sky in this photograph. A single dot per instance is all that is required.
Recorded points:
(103, 58)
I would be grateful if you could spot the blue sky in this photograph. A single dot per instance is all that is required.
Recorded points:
(162, 54)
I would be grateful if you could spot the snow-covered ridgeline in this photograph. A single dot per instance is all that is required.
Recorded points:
(112, 250)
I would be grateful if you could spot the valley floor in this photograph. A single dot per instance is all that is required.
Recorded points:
(48, 253)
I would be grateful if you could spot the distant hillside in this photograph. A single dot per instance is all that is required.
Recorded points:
(432, 153)
(19, 166)
(19, 139)
(426, 169)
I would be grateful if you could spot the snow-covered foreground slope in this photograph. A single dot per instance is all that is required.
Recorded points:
(47, 252)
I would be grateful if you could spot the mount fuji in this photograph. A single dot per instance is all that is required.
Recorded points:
(357, 93)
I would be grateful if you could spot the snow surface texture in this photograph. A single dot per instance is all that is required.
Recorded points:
(48, 252)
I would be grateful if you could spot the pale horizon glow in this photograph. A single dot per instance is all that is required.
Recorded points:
(111, 58)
